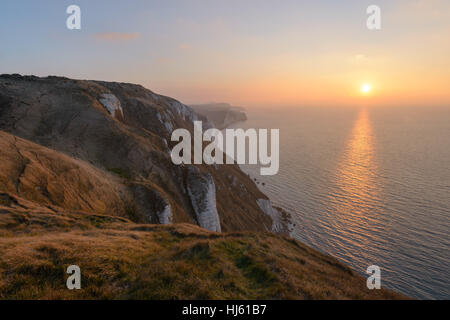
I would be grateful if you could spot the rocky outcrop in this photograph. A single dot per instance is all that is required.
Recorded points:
(112, 104)
(266, 207)
(202, 192)
(119, 134)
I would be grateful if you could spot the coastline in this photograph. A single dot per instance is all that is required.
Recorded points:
(281, 219)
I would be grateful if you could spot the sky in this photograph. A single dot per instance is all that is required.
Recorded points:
(245, 52)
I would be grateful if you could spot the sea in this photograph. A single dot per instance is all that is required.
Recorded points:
(367, 185)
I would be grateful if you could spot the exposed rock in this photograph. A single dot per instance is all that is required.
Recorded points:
(112, 104)
(181, 110)
(165, 216)
(202, 191)
(278, 223)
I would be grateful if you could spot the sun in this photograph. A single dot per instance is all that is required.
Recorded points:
(366, 88)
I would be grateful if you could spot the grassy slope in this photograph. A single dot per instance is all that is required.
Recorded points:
(123, 260)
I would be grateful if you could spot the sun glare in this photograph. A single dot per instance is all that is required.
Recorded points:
(366, 88)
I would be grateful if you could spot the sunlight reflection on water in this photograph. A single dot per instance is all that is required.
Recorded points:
(367, 186)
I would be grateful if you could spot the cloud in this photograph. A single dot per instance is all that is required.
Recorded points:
(184, 46)
(117, 36)
(359, 59)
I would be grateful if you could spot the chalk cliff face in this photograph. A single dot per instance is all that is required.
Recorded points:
(202, 191)
(104, 147)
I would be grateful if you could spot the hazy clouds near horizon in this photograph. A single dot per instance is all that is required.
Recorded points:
(244, 52)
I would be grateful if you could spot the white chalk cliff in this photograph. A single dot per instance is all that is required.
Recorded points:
(202, 191)
(267, 208)
(111, 103)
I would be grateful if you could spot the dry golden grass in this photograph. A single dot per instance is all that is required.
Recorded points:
(123, 260)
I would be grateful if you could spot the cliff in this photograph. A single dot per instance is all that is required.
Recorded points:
(105, 147)
(221, 115)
